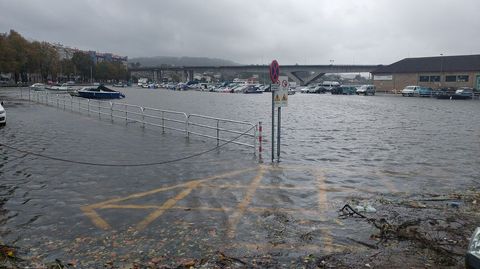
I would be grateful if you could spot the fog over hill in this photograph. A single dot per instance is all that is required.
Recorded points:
(180, 61)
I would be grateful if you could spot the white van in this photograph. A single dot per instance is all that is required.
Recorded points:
(329, 85)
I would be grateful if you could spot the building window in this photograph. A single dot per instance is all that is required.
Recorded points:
(462, 78)
(434, 78)
(424, 79)
(450, 78)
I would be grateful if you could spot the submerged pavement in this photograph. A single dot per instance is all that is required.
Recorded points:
(224, 201)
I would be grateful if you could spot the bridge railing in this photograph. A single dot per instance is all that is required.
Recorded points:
(236, 132)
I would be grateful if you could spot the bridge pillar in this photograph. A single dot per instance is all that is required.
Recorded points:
(155, 76)
(185, 76)
(190, 75)
(295, 78)
(313, 77)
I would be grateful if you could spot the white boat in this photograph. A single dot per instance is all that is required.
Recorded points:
(63, 87)
(37, 87)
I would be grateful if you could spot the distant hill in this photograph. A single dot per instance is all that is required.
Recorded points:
(180, 61)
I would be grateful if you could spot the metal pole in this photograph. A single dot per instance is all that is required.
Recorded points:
(278, 132)
(218, 133)
(143, 117)
(126, 113)
(163, 123)
(273, 124)
(88, 107)
(260, 141)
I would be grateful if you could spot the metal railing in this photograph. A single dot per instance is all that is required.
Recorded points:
(220, 126)
(220, 129)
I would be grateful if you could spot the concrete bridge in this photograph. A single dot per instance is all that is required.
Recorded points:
(292, 71)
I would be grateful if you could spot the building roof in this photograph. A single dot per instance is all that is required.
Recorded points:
(460, 63)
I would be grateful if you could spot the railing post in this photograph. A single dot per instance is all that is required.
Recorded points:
(255, 140)
(63, 97)
(260, 138)
(88, 107)
(29, 96)
(71, 103)
(218, 133)
(143, 117)
(163, 122)
(187, 121)
(56, 97)
(126, 113)
(21, 93)
(99, 116)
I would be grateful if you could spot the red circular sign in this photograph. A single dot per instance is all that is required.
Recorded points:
(285, 83)
(274, 71)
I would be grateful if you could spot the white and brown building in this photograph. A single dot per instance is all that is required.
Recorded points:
(433, 72)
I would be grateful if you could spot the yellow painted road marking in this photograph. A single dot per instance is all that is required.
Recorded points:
(167, 205)
(95, 218)
(98, 221)
(242, 206)
(322, 206)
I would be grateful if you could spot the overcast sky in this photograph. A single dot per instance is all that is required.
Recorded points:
(254, 31)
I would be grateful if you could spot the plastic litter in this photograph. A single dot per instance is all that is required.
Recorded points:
(365, 208)
(370, 209)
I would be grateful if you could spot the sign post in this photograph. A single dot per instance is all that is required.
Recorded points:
(274, 73)
(281, 100)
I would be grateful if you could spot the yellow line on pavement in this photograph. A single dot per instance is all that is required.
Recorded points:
(167, 205)
(242, 206)
(95, 218)
(98, 221)
(322, 206)
(238, 186)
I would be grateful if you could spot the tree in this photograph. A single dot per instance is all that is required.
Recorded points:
(83, 64)
(20, 46)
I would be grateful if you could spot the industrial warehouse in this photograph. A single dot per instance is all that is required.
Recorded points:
(433, 72)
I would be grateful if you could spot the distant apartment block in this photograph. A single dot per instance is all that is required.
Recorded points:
(97, 57)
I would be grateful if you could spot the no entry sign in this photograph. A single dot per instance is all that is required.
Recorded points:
(274, 71)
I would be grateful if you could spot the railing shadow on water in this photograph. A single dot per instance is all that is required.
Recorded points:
(240, 133)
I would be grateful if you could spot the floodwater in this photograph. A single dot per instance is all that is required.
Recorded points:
(334, 149)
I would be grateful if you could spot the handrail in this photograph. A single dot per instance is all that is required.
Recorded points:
(141, 115)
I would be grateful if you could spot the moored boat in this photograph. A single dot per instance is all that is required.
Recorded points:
(99, 92)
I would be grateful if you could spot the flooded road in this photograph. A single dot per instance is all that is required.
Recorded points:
(335, 149)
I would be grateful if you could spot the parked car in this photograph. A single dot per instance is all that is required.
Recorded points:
(444, 93)
(423, 91)
(409, 90)
(463, 93)
(344, 89)
(3, 115)
(366, 90)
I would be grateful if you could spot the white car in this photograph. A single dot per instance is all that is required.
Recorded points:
(366, 90)
(409, 90)
(3, 115)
